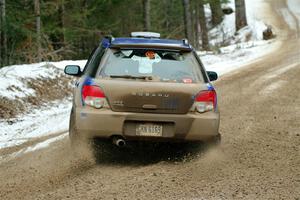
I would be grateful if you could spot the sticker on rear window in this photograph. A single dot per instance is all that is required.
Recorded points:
(187, 80)
(146, 64)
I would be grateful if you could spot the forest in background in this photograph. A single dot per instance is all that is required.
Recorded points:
(51, 30)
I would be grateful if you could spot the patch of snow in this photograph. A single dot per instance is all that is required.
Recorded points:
(45, 143)
(253, 9)
(289, 19)
(62, 64)
(40, 122)
(12, 78)
(235, 56)
(225, 33)
(294, 6)
(38, 146)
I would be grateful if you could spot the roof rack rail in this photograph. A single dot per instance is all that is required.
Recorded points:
(145, 34)
(109, 37)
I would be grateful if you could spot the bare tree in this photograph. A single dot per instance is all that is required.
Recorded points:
(38, 29)
(187, 20)
(217, 13)
(146, 13)
(240, 14)
(3, 40)
(204, 32)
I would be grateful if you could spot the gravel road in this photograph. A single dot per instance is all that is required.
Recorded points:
(259, 157)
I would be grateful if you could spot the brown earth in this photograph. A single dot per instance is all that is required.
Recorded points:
(46, 90)
(259, 157)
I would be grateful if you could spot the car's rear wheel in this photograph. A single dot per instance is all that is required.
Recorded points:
(80, 146)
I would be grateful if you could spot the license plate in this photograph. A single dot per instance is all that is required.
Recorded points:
(154, 130)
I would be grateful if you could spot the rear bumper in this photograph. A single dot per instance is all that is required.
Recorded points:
(105, 123)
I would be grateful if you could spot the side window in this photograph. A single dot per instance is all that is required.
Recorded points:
(94, 61)
(201, 67)
(89, 59)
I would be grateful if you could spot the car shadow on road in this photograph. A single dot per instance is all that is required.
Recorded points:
(143, 153)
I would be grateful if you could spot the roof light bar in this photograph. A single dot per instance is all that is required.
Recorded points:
(145, 34)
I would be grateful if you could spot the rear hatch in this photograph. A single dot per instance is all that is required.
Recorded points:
(150, 97)
(150, 80)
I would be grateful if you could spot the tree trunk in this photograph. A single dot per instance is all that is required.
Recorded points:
(240, 14)
(187, 20)
(146, 15)
(204, 34)
(3, 41)
(61, 13)
(197, 26)
(38, 29)
(167, 4)
(217, 13)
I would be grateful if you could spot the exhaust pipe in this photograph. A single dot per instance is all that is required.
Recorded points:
(119, 142)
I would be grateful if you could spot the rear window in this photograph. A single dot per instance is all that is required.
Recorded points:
(161, 65)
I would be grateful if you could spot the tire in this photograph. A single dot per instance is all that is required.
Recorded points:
(79, 145)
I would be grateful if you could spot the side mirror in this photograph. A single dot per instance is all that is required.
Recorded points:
(212, 75)
(73, 70)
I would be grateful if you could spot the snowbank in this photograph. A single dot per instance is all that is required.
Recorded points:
(225, 33)
(39, 122)
(13, 78)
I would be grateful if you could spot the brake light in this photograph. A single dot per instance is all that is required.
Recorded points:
(206, 101)
(93, 96)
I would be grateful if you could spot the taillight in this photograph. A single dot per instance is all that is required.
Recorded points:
(93, 96)
(206, 101)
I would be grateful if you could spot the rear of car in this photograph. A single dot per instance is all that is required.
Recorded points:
(144, 89)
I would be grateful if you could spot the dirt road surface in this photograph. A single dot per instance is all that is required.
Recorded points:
(259, 157)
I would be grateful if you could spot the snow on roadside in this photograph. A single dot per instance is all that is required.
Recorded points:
(244, 47)
(39, 122)
(12, 78)
(40, 145)
(294, 6)
(235, 56)
(225, 33)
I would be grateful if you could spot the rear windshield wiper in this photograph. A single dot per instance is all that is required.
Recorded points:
(132, 77)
